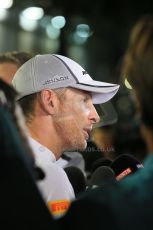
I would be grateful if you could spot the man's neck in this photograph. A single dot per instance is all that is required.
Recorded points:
(45, 136)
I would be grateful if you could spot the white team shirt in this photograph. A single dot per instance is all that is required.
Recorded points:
(55, 187)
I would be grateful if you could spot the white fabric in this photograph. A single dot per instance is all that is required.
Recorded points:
(62, 162)
(55, 186)
(74, 159)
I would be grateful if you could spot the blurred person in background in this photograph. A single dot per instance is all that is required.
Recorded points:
(10, 62)
(138, 70)
(8, 99)
(103, 137)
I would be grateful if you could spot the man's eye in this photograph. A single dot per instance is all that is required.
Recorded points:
(85, 99)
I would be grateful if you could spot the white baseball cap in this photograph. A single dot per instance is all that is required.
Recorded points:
(52, 71)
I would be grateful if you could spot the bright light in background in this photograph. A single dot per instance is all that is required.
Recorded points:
(79, 40)
(52, 32)
(127, 84)
(29, 17)
(33, 13)
(26, 24)
(83, 30)
(82, 34)
(3, 14)
(5, 4)
(58, 22)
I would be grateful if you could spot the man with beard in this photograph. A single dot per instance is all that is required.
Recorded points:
(57, 97)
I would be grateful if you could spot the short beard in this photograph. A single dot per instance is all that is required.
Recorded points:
(69, 136)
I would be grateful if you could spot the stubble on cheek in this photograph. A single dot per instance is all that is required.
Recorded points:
(70, 123)
(71, 134)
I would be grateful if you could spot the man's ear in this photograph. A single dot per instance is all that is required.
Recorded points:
(49, 101)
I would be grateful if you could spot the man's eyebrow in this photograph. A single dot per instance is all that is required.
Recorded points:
(88, 94)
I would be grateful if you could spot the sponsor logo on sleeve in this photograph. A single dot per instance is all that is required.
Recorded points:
(58, 207)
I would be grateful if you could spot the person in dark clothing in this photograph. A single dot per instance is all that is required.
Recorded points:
(22, 206)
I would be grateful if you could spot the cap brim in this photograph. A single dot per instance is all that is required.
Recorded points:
(101, 91)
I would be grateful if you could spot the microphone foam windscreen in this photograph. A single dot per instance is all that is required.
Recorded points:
(76, 178)
(124, 165)
(102, 176)
(103, 161)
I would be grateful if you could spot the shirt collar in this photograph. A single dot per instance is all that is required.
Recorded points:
(41, 152)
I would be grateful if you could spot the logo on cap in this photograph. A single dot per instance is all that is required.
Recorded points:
(84, 72)
(55, 79)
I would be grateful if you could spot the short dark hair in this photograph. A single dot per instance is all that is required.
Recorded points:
(27, 104)
(16, 57)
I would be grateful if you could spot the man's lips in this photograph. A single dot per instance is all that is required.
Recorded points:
(88, 132)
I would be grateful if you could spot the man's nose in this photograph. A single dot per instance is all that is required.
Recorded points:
(94, 115)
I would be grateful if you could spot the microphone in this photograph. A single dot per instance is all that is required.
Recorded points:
(102, 177)
(103, 161)
(76, 178)
(125, 165)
